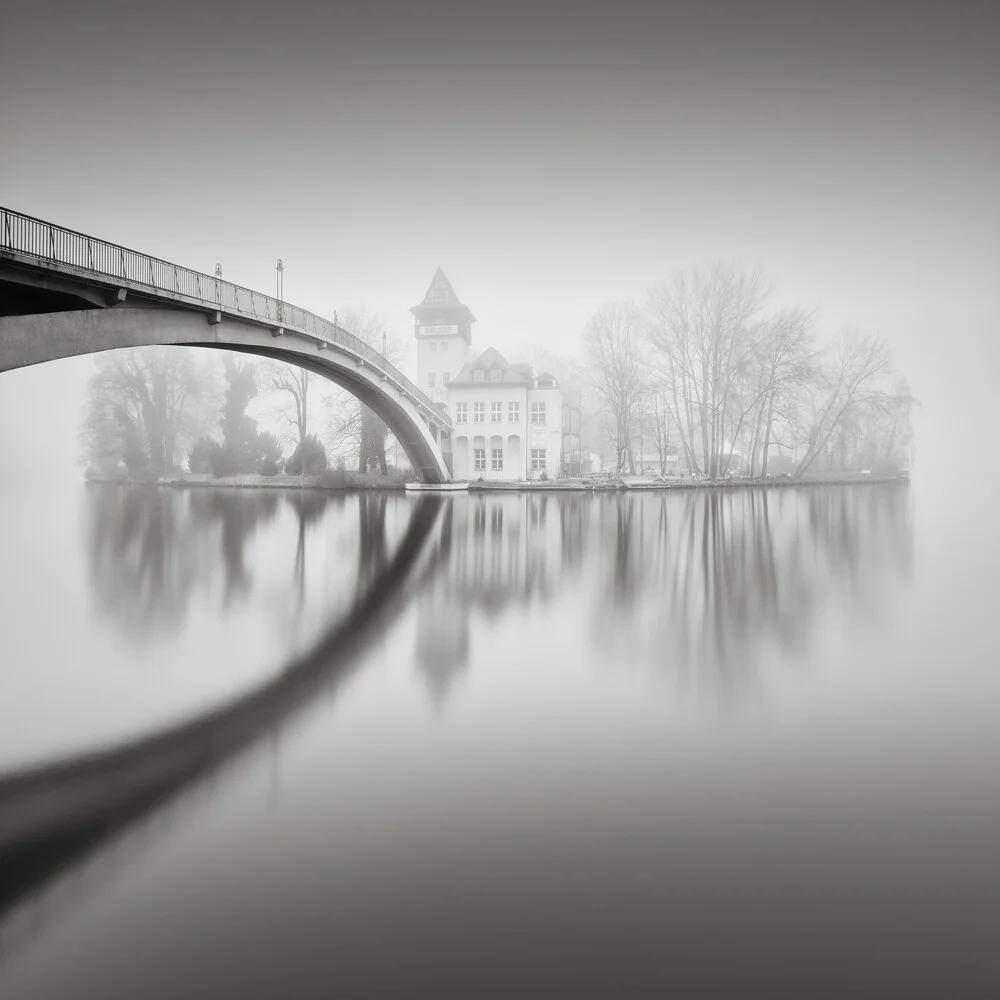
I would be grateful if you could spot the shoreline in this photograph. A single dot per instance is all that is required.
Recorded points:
(359, 481)
(615, 485)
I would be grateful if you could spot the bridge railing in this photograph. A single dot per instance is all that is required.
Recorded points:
(26, 235)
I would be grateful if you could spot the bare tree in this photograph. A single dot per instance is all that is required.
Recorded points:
(659, 419)
(876, 434)
(293, 385)
(348, 419)
(787, 365)
(705, 326)
(612, 350)
(143, 406)
(851, 383)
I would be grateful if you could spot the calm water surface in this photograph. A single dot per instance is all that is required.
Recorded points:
(719, 743)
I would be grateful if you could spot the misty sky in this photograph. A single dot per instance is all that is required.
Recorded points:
(548, 157)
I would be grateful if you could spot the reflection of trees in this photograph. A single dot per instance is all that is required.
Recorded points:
(712, 584)
(145, 562)
(151, 549)
(237, 513)
(371, 534)
(309, 507)
(710, 581)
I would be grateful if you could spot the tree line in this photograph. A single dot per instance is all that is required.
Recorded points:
(150, 412)
(710, 371)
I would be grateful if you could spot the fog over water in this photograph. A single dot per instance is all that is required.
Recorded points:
(599, 736)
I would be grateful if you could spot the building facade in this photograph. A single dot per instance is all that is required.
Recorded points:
(507, 421)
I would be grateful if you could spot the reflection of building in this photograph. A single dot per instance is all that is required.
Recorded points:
(504, 548)
(501, 549)
(507, 421)
(442, 642)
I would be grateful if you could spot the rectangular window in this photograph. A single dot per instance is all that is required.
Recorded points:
(498, 459)
(430, 379)
(514, 413)
(444, 345)
(477, 375)
(538, 413)
(461, 413)
(537, 459)
(445, 378)
(496, 375)
(434, 345)
(478, 413)
(480, 459)
(496, 412)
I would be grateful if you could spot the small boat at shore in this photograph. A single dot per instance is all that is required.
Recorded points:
(437, 487)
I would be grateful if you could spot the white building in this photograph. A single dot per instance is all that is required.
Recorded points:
(507, 421)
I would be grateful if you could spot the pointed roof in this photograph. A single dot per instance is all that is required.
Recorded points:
(440, 298)
(440, 292)
(491, 358)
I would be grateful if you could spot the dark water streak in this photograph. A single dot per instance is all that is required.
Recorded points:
(52, 815)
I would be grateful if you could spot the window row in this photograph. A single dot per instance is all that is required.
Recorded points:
(434, 345)
(432, 379)
(496, 455)
(496, 413)
(479, 375)
(479, 459)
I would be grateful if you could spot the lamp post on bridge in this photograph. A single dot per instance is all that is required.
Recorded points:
(280, 291)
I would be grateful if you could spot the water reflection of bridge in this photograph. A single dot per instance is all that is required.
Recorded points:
(54, 816)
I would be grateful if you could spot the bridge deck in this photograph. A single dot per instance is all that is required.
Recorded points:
(46, 247)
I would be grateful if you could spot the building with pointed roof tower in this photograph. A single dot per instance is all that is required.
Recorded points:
(507, 421)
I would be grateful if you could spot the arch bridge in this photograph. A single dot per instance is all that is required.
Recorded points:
(63, 293)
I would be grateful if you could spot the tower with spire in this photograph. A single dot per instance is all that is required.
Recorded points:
(506, 421)
(443, 329)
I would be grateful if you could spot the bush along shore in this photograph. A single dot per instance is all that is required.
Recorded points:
(332, 479)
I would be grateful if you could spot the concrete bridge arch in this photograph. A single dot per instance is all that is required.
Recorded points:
(36, 338)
